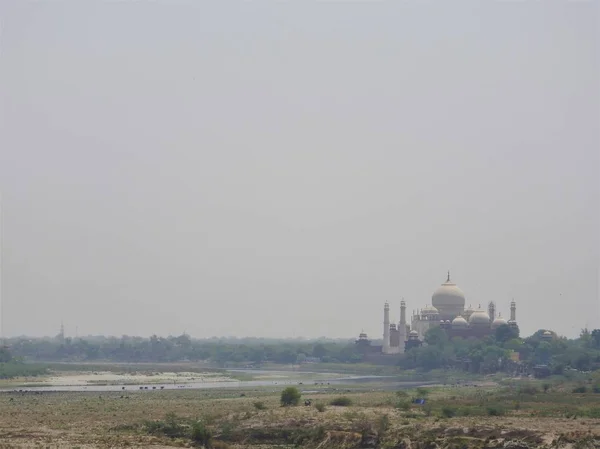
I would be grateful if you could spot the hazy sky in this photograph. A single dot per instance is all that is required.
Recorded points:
(279, 169)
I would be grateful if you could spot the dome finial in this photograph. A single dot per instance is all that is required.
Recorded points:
(448, 280)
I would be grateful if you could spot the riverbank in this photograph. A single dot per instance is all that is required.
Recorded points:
(236, 418)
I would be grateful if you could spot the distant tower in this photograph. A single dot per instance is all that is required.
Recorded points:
(386, 328)
(513, 311)
(61, 334)
(492, 311)
(402, 325)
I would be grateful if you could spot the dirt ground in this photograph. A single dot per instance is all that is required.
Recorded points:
(85, 420)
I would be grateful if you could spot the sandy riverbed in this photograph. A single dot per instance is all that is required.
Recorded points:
(109, 378)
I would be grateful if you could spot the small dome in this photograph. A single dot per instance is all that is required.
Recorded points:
(429, 310)
(413, 333)
(459, 322)
(479, 317)
(498, 322)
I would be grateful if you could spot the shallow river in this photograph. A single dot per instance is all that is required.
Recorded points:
(319, 380)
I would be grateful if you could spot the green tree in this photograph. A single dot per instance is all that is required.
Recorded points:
(436, 337)
(505, 333)
(290, 396)
(319, 350)
(5, 355)
(595, 340)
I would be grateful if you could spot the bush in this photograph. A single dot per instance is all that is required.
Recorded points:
(529, 389)
(290, 396)
(465, 411)
(14, 369)
(341, 401)
(401, 394)
(259, 405)
(403, 405)
(170, 427)
(580, 389)
(200, 434)
(593, 412)
(496, 410)
(383, 425)
(422, 392)
(448, 412)
(427, 409)
(320, 407)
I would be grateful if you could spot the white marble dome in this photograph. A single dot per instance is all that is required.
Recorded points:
(498, 322)
(479, 317)
(448, 298)
(429, 310)
(459, 322)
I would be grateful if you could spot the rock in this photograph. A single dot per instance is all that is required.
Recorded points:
(404, 444)
(455, 431)
(516, 445)
(369, 441)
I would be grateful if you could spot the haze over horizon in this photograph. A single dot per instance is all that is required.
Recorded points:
(282, 170)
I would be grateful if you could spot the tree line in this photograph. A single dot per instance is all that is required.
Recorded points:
(490, 354)
(182, 348)
(505, 351)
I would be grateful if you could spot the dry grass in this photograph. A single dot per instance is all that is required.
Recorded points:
(85, 420)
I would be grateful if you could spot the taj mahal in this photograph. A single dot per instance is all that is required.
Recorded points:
(447, 311)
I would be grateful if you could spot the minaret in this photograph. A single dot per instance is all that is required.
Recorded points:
(61, 334)
(513, 311)
(403, 312)
(402, 325)
(386, 328)
(492, 311)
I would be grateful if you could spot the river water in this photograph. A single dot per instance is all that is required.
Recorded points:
(308, 383)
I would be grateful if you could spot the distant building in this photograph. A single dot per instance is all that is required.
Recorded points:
(447, 311)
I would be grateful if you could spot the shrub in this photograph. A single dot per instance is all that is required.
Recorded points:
(320, 407)
(427, 409)
(465, 411)
(596, 388)
(200, 434)
(403, 405)
(580, 389)
(422, 392)
(290, 396)
(401, 394)
(496, 410)
(448, 412)
(259, 405)
(594, 412)
(546, 387)
(170, 427)
(342, 401)
(383, 425)
(529, 389)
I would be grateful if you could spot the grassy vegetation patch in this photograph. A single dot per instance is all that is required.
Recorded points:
(341, 401)
(11, 370)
